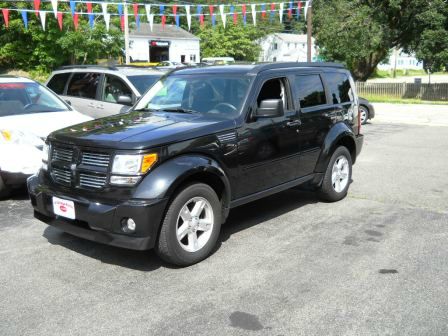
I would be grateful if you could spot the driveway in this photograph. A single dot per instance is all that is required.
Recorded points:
(372, 264)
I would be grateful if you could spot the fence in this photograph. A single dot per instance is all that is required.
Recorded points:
(432, 92)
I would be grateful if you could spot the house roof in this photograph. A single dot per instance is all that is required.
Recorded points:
(162, 32)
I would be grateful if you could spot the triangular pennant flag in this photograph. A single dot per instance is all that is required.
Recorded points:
(234, 14)
(72, 7)
(201, 20)
(299, 9)
(91, 20)
(174, 10)
(177, 18)
(76, 20)
(306, 8)
(271, 15)
(136, 15)
(25, 18)
(243, 9)
(120, 9)
(36, 7)
(254, 14)
(148, 11)
(59, 16)
(42, 18)
(199, 11)
(280, 12)
(211, 9)
(122, 22)
(163, 21)
(213, 20)
(89, 7)
(263, 11)
(187, 10)
(151, 20)
(223, 15)
(290, 10)
(5, 13)
(54, 5)
(106, 15)
(162, 12)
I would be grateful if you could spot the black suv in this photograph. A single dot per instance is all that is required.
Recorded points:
(200, 142)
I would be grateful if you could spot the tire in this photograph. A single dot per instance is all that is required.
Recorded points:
(4, 189)
(331, 190)
(185, 221)
(364, 114)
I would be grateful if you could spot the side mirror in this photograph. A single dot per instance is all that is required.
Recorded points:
(124, 100)
(269, 108)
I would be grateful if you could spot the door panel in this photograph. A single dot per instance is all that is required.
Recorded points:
(82, 92)
(113, 87)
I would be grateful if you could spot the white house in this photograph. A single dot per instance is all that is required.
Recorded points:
(280, 47)
(400, 61)
(168, 43)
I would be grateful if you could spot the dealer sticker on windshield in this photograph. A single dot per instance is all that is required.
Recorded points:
(64, 208)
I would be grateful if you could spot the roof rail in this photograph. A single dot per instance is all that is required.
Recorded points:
(87, 66)
(279, 65)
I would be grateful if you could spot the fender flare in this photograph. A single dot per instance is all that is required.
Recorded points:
(339, 132)
(162, 182)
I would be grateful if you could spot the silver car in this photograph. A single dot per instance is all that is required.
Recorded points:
(100, 91)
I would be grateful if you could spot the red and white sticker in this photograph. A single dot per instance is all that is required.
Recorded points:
(64, 208)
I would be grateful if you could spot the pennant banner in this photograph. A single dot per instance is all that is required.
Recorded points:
(42, 18)
(5, 13)
(54, 5)
(223, 16)
(187, 10)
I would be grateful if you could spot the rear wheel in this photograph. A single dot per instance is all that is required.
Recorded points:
(4, 189)
(364, 114)
(337, 176)
(191, 226)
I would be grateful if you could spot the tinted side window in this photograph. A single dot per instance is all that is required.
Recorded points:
(339, 86)
(57, 82)
(114, 87)
(83, 85)
(310, 90)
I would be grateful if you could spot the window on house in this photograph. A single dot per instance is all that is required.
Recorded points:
(275, 46)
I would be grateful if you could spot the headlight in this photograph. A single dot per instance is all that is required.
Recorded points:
(133, 164)
(20, 138)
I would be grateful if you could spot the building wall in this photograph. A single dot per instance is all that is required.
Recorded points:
(275, 49)
(403, 61)
(139, 49)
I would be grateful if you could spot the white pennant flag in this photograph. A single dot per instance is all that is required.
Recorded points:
(306, 7)
(106, 15)
(54, 4)
(223, 15)
(42, 18)
(151, 20)
(254, 14)
(280, 11)
(148, 12)
(187, 9)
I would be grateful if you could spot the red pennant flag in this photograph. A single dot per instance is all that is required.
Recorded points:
(60, 20)
(174, 10)
(76, 21)
(243, 8)
(300, 7)
(163, 21)
(135, 8)
(122, 22)
(89, 7)
(201, 20)
(235, 17)
(272, 7)
(211, 9)
(5, 12)
(263, 13)
(36, 7)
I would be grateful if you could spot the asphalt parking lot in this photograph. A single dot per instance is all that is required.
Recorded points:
(372, 264)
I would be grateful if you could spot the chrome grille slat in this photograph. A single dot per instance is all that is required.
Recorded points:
(95, 159)
(62, 154)
(61, 175)
(92, 180)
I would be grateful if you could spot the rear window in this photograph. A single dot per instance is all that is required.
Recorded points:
(143, 82)
(310, 90)
(84, 85)
(339, 87)
(57, 82)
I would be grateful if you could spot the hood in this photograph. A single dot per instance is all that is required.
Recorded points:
(139, 130)
(42, 124)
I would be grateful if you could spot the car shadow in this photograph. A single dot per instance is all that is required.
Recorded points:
(241, 218)
(19, 194)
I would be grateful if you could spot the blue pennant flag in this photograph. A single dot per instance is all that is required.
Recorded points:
(72, 7)
(120, 9)
(91, 23)
(177, 20)
(137, 21)
(213, 20)
(25, 19)
(199, 11)
(162, 9)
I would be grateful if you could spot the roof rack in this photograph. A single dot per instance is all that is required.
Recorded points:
(87, 66)
(279, 65)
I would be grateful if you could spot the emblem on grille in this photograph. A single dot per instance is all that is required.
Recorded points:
(73, 167)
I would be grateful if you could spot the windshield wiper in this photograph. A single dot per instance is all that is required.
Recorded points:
(179, 110)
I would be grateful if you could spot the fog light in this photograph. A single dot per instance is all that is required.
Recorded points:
(128, 225)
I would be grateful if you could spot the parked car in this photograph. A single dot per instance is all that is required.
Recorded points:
(366, 110)
(169, 65)
(28, 113)
(102, 91)
(200, 142)
(218, 60)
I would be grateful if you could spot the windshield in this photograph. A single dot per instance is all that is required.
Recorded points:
(143, 82)
(26, 98)
(215, 95)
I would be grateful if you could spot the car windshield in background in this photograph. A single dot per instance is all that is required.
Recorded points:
(26, 98)
(220, 96)
(143, 82)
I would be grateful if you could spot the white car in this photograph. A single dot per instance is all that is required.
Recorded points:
(28, 113)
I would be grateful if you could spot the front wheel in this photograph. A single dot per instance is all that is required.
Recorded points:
(4, 189)
(191, 226)
(337, 176)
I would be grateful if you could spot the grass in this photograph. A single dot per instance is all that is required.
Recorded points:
(38, 76)
(402, 73)
(395, 100)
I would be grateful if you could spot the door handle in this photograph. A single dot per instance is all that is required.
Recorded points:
(294, 123)
(100, 106)
(91, 105)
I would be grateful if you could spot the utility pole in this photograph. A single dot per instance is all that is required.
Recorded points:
(309, 30)
(126, 33)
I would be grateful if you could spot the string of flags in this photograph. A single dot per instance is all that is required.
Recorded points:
(292, 9)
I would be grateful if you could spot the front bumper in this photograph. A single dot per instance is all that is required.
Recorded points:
(359, 141)
(100, 221)
(13, 179)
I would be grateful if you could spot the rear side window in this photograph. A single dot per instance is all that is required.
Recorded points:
(84, 85)
(339, 87)
(57, 82)
(310, 90)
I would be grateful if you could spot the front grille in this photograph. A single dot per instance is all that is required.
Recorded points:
(95, 159)
(62, 154)
(62, 176)
(88, 180)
